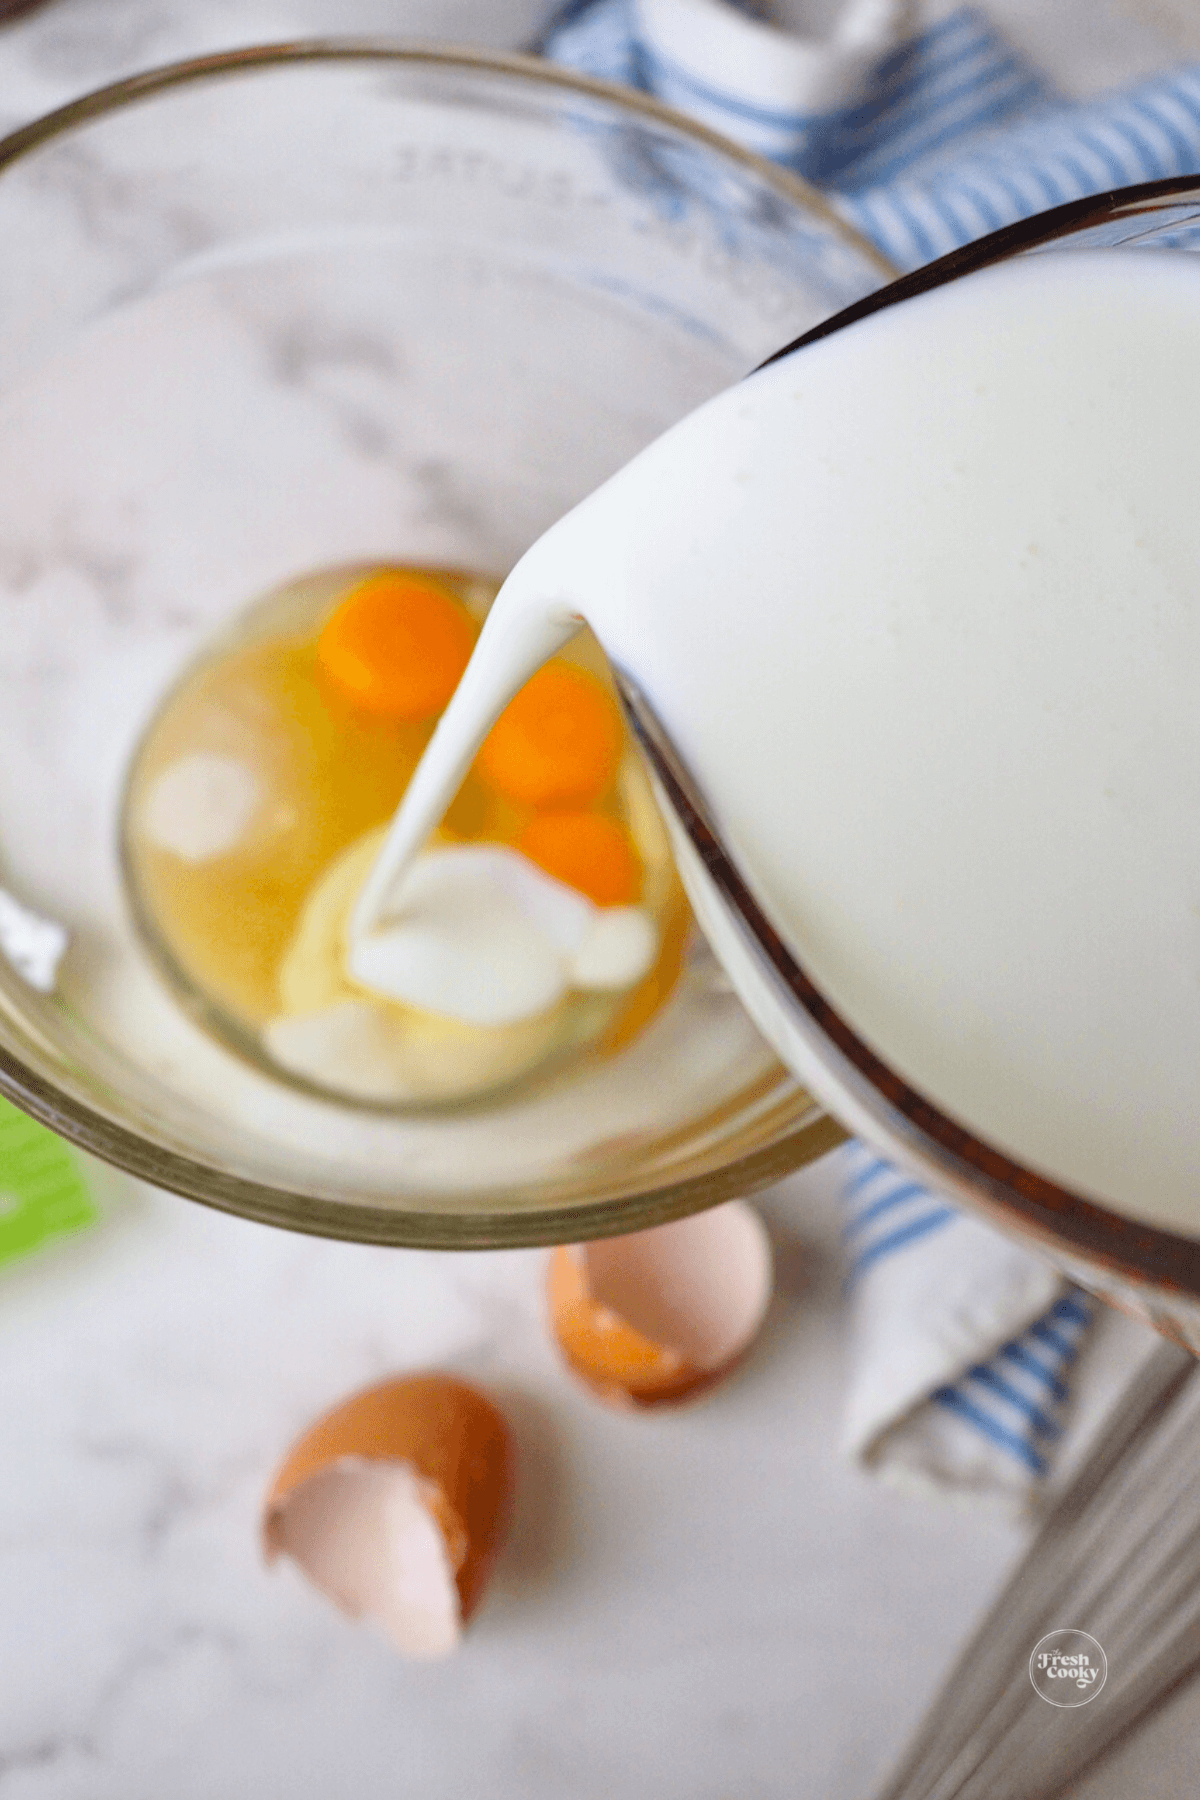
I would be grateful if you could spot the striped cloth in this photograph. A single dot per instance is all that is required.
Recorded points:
(956, 135)
(962, 1342)
(961, 1346)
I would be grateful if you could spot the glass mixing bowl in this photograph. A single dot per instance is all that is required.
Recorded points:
(327, 304)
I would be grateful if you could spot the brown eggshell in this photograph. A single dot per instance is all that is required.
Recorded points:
(424, 1447)
(661, 1316)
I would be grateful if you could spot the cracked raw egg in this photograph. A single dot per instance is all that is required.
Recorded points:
(543, 924)
(395, 1505)
(662, 1315)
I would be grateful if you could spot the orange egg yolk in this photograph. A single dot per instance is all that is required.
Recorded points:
(397, 646)
(586, 851)
(557, 744)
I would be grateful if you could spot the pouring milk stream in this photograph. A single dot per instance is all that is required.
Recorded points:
(919, 606)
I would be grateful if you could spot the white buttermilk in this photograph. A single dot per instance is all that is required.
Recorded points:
(920, 607)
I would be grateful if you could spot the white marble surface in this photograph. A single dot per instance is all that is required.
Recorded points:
(689, 1606)
(705, 1605)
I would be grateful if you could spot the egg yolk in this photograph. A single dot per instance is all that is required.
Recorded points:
(322, 713)
(586, 851)
(557, 744)
(397, 646)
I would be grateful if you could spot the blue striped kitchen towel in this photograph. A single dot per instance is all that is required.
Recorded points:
(962, 1342)
(952, 135)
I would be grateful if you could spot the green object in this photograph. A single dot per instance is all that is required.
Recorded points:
(42, 1193)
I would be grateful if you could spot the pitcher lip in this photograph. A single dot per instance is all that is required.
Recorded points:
(1038, 231)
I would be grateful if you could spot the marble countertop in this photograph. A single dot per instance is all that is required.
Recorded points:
(704, 1605)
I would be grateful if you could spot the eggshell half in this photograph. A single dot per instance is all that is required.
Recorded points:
(661, 1316)
(395, 1506)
